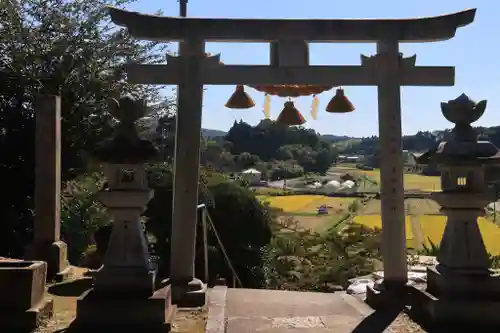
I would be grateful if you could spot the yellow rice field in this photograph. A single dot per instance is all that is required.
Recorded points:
(411, 181)
(413, 206)
(305, 203)
(304, 209)
(432, 228)
(375, 221)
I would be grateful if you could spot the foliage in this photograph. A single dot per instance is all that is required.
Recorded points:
(420, 142)
(432, 249)
(67, 48)
(243, 224)
(241, 221)
(494, 261)
(277, 151)
(354, 206)
(302, 260)
(81, 213)
(271, 141)
(272, 191)
(276, 170)
(429, 249)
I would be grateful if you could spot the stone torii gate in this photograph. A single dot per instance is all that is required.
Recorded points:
(387, 70)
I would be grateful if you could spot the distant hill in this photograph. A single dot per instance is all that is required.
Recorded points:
(336, 138)
(206, 132)
(150, 124)
(212, 133)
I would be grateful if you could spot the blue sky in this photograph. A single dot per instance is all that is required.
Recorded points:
(473, 51)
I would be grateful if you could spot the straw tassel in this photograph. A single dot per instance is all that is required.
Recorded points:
(267, 106)
(314, 107)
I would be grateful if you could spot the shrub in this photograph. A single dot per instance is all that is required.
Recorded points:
(244, 226)
(240, 219)
(159, 211)
(81, 213)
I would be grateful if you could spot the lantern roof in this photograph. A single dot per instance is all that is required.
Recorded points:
(466, 152)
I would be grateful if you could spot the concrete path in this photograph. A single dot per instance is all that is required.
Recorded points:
(273, 311)
(281, 311)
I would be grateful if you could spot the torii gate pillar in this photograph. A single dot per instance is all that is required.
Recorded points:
(186, 289)
(391, 164)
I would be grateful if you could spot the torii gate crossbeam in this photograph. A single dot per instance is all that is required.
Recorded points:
(317, 75)
(387, 70)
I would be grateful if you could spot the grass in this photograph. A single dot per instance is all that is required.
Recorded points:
(308, 204)
(422, 207)
(412, 206)
(268, 190)
(319, 223)
(411, 181)
(304, 208)
(372, 207)
(421, 182)
(346, 166)
(189, 321)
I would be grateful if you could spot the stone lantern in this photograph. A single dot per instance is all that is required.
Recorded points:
(461, 287)
(124, 288)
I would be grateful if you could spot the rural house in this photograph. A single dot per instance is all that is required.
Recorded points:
(409, 160)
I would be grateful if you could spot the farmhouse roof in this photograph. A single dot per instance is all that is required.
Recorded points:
(253, 171)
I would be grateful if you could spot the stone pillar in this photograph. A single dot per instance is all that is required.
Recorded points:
(186, 289)
(391, 164)
(124, 292)
(47, 245)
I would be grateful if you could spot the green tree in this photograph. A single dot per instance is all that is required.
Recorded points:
(67, 48)
(304, 260)
(247, 160)
(242, 222)
(244, 225)
(270, 141)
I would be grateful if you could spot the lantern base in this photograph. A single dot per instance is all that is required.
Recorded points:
(453, 283)
(462, 298)
(124, 312)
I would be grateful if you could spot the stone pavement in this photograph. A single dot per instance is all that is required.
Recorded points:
(273, 311)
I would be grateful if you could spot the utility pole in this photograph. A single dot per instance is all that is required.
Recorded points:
(182, 13)
(183, 8)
